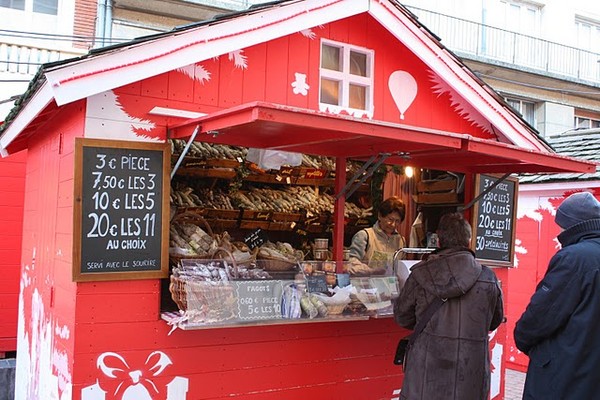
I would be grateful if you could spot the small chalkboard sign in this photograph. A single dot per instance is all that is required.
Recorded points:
(343, 280)
(121, 207)
(255, 239)
(258, 300)
(494, 220)
(316, 283)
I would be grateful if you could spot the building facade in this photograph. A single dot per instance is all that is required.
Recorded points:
(542, 56)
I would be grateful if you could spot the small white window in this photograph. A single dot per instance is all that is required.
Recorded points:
(45, 6)
(525, 108)
(585, 123)
(346, 77)
(16, 4)
(49, 7)
(588, 35)
(521, 16)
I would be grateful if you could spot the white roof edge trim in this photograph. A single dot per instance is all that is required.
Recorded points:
(175, 112)
(181, 49)
(444, 65)
(562, 186)
(38, 102)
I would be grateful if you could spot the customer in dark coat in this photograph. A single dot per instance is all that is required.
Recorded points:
(560, 328)
(450, 358)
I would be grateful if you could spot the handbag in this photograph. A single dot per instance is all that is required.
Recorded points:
(406, 342)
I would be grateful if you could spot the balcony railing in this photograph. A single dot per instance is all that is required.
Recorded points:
(25, 60)
(485, 43)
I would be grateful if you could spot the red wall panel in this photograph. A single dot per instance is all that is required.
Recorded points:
(12, 182)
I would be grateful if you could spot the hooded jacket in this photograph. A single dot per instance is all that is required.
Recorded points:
(560, 328)
(450, 358)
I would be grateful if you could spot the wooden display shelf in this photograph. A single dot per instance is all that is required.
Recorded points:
(221, 213)
(224, 173)
(197, 162)
(221, 224)
(286, 217)
(256, 215)
(282, 226)
(252, 224)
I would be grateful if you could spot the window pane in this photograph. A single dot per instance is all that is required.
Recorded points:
(358, 63)
(529, 112)
(16, 4)
(595, 124)
(358, 95)
(45, 6)
(330, 91)
(583, 123)
(515, 104)
(330, 59)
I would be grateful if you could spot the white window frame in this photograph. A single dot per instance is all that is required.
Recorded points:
(592, 41)
(521, 108)
(591, 122)
(28, 8)
(524, 8)
(346, 78)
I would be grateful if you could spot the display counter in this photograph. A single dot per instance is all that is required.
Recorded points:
(217, 293)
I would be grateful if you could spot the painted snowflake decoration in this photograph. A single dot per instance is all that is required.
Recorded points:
(196, 72)
(458, 104)
(309, 33)
(239, 60)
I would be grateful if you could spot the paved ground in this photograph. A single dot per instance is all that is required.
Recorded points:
(513, 389)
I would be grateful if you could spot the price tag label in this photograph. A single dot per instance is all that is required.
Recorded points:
(316, 283)
(255, 239)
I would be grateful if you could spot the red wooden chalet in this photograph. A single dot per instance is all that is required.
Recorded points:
(340, 78)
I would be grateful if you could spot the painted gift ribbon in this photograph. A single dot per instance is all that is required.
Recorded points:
(132, 384)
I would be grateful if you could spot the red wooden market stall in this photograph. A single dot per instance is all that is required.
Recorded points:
(127, 146)
(536, 243)
(12, 179)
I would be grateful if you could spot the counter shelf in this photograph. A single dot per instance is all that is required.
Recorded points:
(172, 317)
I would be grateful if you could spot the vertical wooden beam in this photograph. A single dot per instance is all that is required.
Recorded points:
(338, 210)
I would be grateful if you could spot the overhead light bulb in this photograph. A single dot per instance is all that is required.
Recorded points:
(409, 171)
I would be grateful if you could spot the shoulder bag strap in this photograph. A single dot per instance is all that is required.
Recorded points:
(431, 309)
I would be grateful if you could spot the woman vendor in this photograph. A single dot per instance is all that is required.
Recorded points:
(373, 248)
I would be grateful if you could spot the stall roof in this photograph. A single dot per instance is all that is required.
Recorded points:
(276, 127)
(64, 82)
(581, 143)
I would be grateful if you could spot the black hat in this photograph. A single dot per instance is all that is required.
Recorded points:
(577, 208)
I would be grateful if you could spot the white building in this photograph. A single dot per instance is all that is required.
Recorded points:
(543, 56)
(34, 32)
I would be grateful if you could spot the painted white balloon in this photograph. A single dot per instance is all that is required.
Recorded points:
(403, 88)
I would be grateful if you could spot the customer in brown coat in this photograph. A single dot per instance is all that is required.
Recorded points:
(450, 358)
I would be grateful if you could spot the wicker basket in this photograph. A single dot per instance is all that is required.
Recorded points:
(202, 299)
(188, 217)
(333, 306)
(276, 264)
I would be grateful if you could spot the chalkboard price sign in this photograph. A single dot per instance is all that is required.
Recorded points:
(121, 201)
(316, 283)
(259, 299)
(255, 239)
(494, 220)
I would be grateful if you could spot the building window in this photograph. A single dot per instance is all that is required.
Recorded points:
(588, 35)
(16, 4)
(38, 6)
(346, 76)
(521, 17)
(45, 6)
(586, 123)
(525, 108)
